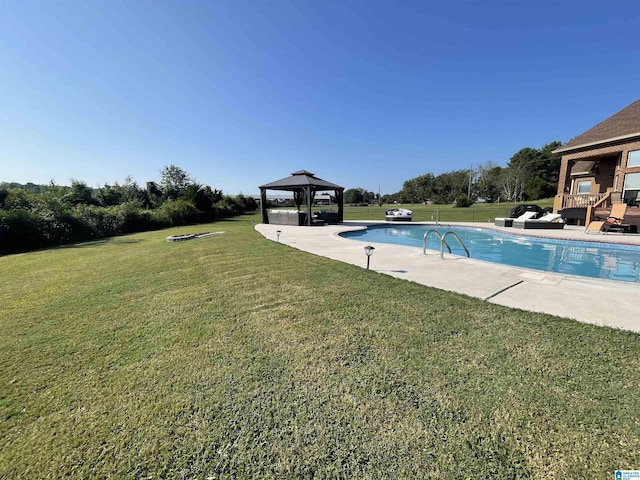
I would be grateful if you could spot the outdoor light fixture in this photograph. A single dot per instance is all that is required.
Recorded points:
(369, 251)
(278, 232)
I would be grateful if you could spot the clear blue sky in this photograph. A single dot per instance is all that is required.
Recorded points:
(363, 93)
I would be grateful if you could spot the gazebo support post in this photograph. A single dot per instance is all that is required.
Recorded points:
(263, 206)
(340, 200)
(309, 202)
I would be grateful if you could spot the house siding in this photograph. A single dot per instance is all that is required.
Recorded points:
(619, 170)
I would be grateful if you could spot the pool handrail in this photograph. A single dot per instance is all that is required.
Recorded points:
(443, 241)
(436, 213)
(424, 241)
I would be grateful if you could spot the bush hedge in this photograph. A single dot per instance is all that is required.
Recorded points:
(44, 224)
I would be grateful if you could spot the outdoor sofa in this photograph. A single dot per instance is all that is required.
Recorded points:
(329, 216)
(398, 215)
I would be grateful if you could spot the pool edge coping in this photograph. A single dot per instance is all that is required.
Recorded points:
(563, 295)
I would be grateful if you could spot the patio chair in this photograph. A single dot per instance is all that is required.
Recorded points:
(508, 222)
(614, 220)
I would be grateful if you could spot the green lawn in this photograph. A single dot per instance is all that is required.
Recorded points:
(232, 356)
(479, 212)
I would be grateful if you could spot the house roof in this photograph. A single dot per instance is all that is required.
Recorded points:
(301, 179)
(583, 167)
(623, 125)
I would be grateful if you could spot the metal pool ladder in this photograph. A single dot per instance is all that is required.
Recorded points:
(443, 242)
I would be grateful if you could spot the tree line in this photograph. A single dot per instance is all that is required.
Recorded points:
(37, 216)
(531, 174)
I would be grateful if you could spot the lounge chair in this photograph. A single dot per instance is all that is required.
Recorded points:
(508, 222)
(548, 221)
(398, 215)
(614, 220)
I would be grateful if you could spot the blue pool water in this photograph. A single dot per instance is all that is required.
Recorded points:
(587, 259)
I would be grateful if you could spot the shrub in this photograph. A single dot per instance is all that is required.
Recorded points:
(177, 212)
(19, 231)
(46, 220)
(238, 204)
(463, 201)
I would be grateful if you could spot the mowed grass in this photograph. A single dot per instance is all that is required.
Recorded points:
(479, 212)
(232, 356)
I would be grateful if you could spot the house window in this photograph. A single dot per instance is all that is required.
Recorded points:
(631, 187)
(633, 160)
(584, 186)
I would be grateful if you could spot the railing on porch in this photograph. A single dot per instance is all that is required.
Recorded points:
(582, 200)
(590, 201)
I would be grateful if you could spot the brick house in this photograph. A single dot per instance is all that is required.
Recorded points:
(601, 167)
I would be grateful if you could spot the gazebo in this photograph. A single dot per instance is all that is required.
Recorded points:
(304, 186)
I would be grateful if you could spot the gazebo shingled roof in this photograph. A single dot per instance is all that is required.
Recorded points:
(301, 178)
(302, 183)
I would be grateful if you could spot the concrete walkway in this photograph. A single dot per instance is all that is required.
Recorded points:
(601, 302)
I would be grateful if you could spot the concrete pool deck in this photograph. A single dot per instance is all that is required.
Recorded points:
(590, 300)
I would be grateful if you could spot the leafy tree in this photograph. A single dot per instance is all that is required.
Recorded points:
(108, 196)
(190, 193)
(369, 197)
(533, 173)
(35, 216)
(151, 196)
(131, 192)
(488, 182)
(4, 193)
(202, 196)
(418, 189)
(449, 186)
(521, 172)
(535, 189)
(237, 204)
(29, 186)
(211, 195)
(512, 185)
(174, 180)
(80, 193)
(549, 169)
(354, 195)
(391, 198)
(530, 174)
(245, 204)
(444, 188)
(18, 199)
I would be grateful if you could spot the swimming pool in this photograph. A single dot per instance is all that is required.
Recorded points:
(587, 259)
